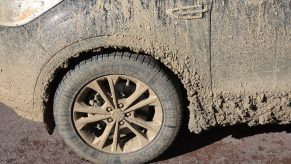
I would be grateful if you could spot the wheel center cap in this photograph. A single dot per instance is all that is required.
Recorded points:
(117, 115)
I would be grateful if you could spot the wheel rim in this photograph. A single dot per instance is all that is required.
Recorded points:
(117, 114)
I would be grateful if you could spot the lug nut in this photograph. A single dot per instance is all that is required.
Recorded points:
(128, 114)
(109, 109)
(121, 123)
(120, 105)
(109, 119)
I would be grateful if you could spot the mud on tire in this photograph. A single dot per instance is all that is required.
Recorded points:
(140, 67)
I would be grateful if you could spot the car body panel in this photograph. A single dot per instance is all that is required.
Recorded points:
(74, 27)
(199, 51)
(251, 61)
(19, 69)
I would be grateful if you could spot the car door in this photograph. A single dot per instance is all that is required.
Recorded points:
(193, 38)
(251, 58)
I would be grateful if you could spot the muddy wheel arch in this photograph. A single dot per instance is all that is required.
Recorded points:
(71, 55)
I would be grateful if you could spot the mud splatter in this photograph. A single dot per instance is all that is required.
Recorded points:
(245, 85)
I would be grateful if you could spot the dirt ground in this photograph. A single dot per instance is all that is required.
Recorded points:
(22, 141)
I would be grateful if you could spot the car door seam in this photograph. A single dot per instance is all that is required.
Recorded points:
(37, 42)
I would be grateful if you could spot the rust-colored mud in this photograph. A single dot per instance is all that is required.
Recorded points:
(22, 141)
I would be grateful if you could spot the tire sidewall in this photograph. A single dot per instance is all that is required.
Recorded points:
(84, 73)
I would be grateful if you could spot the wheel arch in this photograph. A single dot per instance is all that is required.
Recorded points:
(70, 56)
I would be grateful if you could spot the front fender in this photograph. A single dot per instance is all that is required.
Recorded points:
(75, 28)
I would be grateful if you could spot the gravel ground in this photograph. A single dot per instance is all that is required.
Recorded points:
(22, 141)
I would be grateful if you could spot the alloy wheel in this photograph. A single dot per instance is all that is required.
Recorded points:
(117, 114)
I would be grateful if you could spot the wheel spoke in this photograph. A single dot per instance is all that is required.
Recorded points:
(141, 137)
(117, 114)
(140, 89)
(83, 108)
(145, 124)
(112, 81)
(96, 86)
(81, 122)
(115, 138)
(142, 103)
(100, 141)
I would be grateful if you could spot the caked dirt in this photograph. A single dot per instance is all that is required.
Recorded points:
(22, 141)
(234, 62)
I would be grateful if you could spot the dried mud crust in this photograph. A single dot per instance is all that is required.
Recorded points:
(251, 62)
(256, 108)
(143, 27)
(138, 66)
(253, 109)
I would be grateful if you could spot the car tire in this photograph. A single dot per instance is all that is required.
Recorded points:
(105, 141)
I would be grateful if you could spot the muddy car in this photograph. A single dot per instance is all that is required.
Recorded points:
(117, 78)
